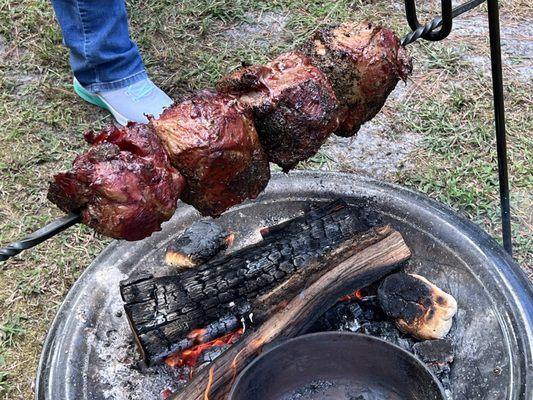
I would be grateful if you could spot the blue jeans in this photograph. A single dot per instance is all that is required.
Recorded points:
(102, 55)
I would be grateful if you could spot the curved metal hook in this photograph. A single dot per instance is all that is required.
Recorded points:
(446, 21)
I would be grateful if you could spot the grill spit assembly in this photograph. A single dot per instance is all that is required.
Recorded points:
(436, 29)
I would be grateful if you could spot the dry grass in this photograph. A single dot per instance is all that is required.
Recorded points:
(41, 120)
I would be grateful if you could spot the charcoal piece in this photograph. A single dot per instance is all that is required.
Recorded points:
(418, 306)
(343, 316)
(436, 354)
(371, 309)
(199, 243)
(386, 330)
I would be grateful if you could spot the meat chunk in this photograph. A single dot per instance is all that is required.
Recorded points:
(124, 185)
(363, 63)
(212, 141)
(294, 106)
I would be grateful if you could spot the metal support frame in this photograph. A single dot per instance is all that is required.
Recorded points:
(499, 116)
(445, 22)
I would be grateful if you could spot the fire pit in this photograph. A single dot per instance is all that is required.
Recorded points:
(90, 354)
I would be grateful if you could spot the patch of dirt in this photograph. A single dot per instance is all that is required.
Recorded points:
(379, 149)
(516, 40)
(2, 45)
(265, 29)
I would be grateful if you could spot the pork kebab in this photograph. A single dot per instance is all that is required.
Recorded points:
(212, 149)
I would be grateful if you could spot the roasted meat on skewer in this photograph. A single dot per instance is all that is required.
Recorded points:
(212, 141)
(363, 63)
(295, 109)
(212, 149)
(124, 185)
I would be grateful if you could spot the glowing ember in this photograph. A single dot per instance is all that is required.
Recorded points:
(197, 335)
(190, 356)
(166, 393)
(358, 294)
(229, 240)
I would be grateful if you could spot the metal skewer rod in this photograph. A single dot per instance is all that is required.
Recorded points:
(39, 236)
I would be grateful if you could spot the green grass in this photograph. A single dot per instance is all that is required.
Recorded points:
(457, 157)
(10, 330)
(195, 42)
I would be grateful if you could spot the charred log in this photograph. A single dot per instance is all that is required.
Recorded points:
(199, 243)
(419, 307)
(163, 310)
(296, 315)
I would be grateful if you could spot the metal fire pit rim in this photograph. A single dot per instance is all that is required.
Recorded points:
(337, 334)
(508, 272)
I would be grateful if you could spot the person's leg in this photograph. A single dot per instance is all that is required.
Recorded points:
(106, 63)
(102, 55)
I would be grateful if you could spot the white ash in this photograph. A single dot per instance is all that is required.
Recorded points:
(120, 369)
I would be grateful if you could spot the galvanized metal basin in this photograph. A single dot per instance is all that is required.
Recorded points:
(89, 353)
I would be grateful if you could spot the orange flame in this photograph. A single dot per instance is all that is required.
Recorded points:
(190, 356)
(209, 383)
(358, 294)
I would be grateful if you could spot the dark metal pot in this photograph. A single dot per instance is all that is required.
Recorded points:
(336, 365)
(89, 348)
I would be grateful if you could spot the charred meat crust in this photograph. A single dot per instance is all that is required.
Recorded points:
(211, 139)
(294, 107)
(124, 185)
(363, 62)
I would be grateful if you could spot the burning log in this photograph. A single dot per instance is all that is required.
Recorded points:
(294, 316)
(199, 243)
(162, 311)
(419, 307)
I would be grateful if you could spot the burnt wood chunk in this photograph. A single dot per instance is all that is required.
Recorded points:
(163, 310)
(436, 354)
(295, 314)
(419, 307)
(199, 243)
(343, 316)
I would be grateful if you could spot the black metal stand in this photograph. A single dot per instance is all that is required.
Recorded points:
(445, 22)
